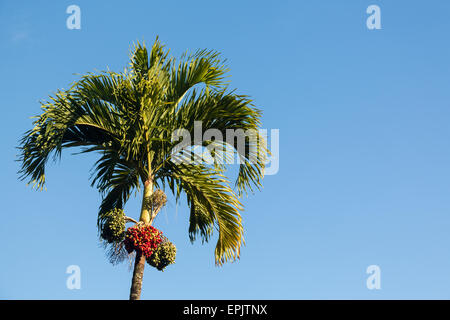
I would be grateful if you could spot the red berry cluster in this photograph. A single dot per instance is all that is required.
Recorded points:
(143, 239)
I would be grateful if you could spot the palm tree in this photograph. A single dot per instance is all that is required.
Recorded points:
(129, 118)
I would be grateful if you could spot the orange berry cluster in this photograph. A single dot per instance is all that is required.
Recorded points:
(142, 239)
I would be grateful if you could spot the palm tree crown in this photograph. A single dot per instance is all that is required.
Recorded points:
(129, 118)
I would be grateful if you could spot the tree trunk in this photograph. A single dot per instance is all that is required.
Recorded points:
(138, 275)
(139, 263)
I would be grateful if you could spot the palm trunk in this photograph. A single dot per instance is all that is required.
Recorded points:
(138, 275)
(139, 263)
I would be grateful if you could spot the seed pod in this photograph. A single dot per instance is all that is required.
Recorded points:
(113, 226)
(143, 239)
(163, 256)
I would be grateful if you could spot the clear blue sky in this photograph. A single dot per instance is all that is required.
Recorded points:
(364, 148)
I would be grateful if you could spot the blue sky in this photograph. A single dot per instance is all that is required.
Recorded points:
(364, 173)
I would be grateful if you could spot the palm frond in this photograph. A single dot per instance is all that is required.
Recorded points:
(212, 203)
(229, 114)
